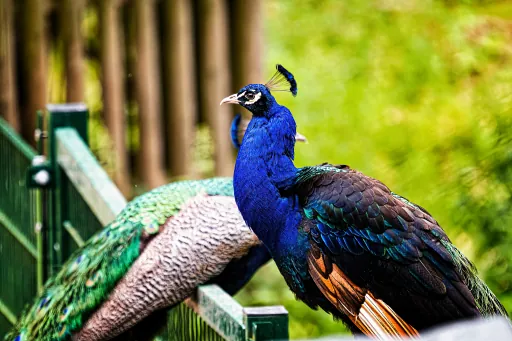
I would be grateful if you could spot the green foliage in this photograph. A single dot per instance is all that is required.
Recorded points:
(415, 93)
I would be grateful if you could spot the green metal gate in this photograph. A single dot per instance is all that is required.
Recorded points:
(75, 198)
(19, 254)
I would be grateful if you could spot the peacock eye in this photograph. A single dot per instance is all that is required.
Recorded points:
(250, 96)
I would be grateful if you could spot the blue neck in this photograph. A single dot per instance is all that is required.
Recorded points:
(264, 167)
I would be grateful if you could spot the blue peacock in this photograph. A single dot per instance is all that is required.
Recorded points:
(342, 240)
(151, 257)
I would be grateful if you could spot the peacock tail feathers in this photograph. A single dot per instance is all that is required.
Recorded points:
(486, 302)
(90, 274)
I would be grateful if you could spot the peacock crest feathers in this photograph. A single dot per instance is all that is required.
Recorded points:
(280, 78)
(90, 274)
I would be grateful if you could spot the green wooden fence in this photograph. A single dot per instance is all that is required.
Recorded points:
(72, 198)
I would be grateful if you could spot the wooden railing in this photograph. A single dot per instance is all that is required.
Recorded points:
(149, 70)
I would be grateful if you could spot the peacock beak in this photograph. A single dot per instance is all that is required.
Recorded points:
(230, 99)
(300, 138)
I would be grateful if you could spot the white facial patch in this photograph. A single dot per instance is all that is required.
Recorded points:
(255, 99)
(243, 93)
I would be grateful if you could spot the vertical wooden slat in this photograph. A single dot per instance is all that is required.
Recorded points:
(247, 43)
(131, 107)
(71, 12)
(33, 64)
(113, 89)
(215, 78)
(7, 65)
(179, 84)
(148, 95)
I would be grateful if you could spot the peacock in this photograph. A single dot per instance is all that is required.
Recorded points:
(151, 257)
(344, 241)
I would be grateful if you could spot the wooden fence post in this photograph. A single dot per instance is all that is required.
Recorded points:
(8, 98)
(71, 13)
(7, 65)
(179, 84)
(148, 95)
(33, 61)
(113, 89)
(247, 43)
(215, 79)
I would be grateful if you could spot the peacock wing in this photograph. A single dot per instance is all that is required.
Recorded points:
(385, 245)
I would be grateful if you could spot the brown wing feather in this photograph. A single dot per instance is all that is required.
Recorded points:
(370, 314)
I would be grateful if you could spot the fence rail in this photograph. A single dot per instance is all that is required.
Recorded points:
(81, 199)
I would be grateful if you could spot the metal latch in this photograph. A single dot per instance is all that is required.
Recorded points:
(40, 173)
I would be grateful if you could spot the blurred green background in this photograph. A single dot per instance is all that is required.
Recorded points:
(417, 94)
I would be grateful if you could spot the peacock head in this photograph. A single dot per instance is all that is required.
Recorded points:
(254, 97)
(257, 98)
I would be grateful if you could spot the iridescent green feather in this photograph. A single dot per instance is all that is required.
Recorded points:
(487, 303)
(88, 277)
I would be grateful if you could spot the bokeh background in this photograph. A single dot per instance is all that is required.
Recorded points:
(416, 93)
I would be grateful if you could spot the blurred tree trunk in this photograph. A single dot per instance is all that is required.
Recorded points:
(33, 64)
(179, 85)
(131, 108)
(71, 13)
(247, 43)
(148, 95)
(7, 65)
(215, 79)
(113, 89)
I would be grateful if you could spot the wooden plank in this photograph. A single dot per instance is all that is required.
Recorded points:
(113, 89)
(88, 177)
(215, 79)
(179, 85)
(71, 14)
(33, 60)
(7, 65)
(221, 312)
(147, 84)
